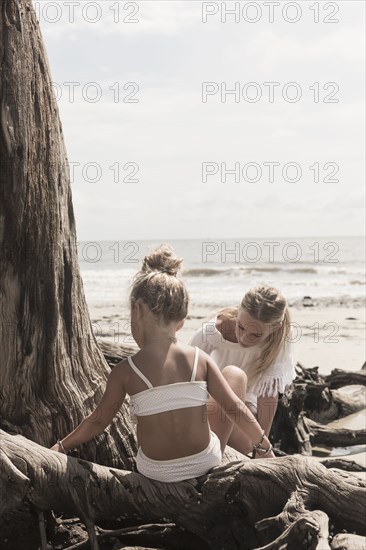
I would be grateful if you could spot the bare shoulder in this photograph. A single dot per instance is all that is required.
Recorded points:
(189, 352)
(120, 371)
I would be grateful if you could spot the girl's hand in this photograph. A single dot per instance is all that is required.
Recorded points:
(96, 422)
(270, 454)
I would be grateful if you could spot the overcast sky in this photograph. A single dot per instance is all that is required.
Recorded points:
(150, 159)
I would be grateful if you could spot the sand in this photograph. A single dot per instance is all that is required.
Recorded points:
(329, 337)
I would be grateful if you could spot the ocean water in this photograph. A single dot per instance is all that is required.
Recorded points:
(217, 273)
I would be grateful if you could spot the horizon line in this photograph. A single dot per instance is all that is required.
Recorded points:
(223, 238)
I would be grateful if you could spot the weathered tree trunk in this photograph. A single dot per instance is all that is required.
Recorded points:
(52, 371)
(243, 504)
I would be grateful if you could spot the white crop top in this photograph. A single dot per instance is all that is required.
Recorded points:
(179, 395)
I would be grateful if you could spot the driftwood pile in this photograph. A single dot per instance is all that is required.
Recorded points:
(312, 402)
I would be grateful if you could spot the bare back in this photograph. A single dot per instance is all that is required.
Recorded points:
(163, 436)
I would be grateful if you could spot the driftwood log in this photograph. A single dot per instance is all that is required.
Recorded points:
(340, 378)
(244, 504)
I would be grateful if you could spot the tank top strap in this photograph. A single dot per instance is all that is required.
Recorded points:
(195, 364)
(139, 373)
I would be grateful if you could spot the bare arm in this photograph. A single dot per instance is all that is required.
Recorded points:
(266, 409)
(234, 408)
(102, 416)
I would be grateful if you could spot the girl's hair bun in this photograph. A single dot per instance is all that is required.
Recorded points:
(162, 259)
(158, 287)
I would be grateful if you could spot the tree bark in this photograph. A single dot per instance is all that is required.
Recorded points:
(223, 508)
(52, 373)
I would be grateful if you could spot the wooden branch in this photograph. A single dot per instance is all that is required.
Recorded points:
(295, 523)
(309, 527)
(342, 464)
(338, 378)
(324, 404)
(348, 402)
(334, 437)
(157, 535)
(220, 508)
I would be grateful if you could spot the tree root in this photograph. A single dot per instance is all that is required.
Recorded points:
(221, 509)
(158, 535)
(341, 464)
(296, 524)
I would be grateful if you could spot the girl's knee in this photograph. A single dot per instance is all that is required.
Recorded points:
(233, 374)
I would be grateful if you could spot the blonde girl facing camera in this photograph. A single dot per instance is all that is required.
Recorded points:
(169, 384)
(256, 338)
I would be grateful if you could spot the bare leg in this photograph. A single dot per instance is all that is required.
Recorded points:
(219, 422)
(237, 440)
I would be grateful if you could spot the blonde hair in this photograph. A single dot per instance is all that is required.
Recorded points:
(267, 305)
(158, 286)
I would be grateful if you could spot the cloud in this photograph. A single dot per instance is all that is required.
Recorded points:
(170, 132)
(129, 20)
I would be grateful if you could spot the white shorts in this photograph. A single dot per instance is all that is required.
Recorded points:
(185, 467)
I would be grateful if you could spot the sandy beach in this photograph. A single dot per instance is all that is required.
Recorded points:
(328, 337)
